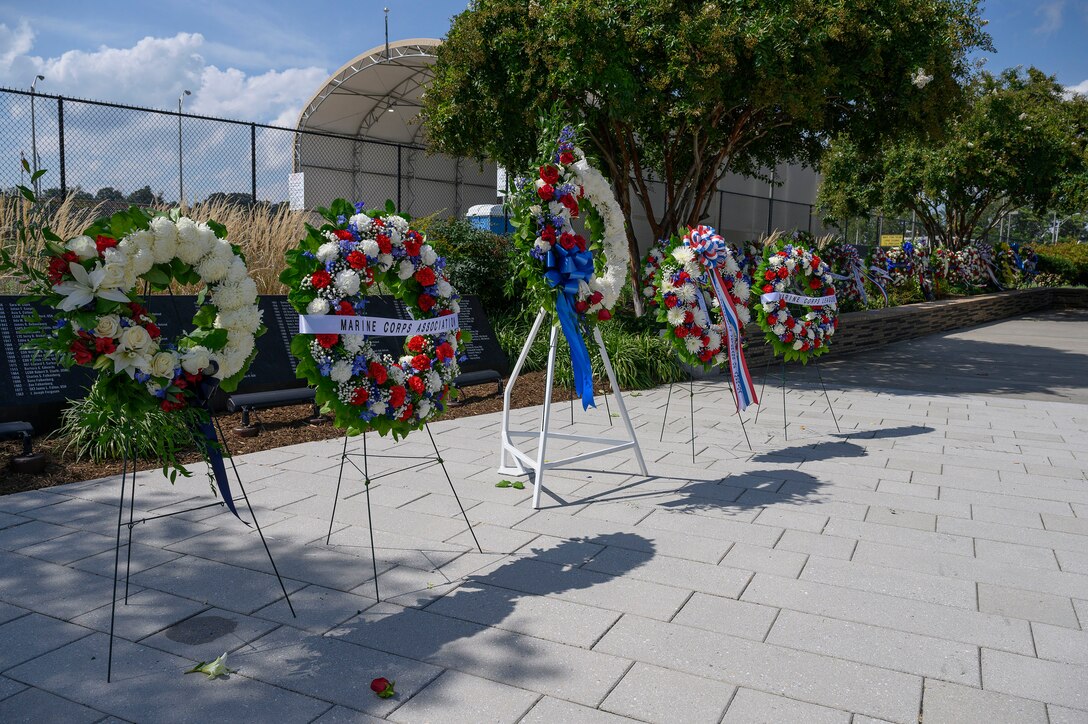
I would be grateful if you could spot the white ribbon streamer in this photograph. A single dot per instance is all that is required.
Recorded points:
(798, 299)
(375, 326)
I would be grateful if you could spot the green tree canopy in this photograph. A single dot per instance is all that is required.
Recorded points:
(1015, 141)
(108, 193)
(678, 92)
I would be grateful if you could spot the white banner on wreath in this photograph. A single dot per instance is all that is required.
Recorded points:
(798, 299)
(375, 326)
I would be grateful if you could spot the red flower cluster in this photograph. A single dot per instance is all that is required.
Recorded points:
(58, 266)
(320, 279)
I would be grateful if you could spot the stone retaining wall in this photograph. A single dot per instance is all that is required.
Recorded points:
(859, 331)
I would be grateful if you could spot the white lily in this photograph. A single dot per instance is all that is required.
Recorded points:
(85, 287)
(212, 668)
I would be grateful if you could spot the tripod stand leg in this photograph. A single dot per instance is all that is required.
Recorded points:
(785, 433)
(131, 506)
(691, 407)
(336, 496)
(370, 520)
(117, 561)
(450, 481)
(666, 415)
(826, 397)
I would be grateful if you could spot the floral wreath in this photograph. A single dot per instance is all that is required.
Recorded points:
(101, 321)
(850, 276)
(580, 278)
(967, 267)
(789, 274)
(896, 262)
(330, 274)
(1019, 264)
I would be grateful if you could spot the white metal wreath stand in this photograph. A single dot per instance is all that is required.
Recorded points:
(513, 461)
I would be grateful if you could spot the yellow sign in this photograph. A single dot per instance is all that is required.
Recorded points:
(891, 239)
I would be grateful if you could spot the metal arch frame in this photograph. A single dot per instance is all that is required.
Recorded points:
(422, 48)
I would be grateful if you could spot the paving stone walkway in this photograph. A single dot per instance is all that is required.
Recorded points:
(927, 563)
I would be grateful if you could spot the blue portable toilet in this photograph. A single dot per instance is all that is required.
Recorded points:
(489, 217)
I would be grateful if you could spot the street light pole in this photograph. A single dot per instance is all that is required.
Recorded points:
(34, 134)
(181, 177)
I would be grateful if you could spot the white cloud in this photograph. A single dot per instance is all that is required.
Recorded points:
(1052, 14)
(1078, 89)
(154, 72)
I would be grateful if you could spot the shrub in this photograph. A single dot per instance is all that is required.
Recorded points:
(479, 262)
(1067, 260)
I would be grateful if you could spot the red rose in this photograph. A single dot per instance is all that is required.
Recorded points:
(783, 272)
(345, 309)
(421, 362)
(604, 315)
(567, 241)
(595, 298)
(396, 395)
(768, 288)
(356, 260)
(384, 244)
(58, 267)
(416, 384)
(581, 306)
(378, 372)
(425, 276)
(566, 158)
(546, 192)
(82, 354)
(360, 397)
(571, 203)
(425, 302)
(104, 242)
(104, 345)
(415, 344)
(328, 341)
(383, 687)
(580, 242)
(320, 279)
(153, 330)
(444, 351)
(814, 283)
(548, 234)
(549, 174)
(343, 234)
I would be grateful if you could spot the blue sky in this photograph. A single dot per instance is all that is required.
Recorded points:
(263, 63)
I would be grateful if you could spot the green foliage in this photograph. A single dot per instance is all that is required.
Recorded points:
(1069, 261)
(688, 89)
(478, 261)
(98, 428)
(1014, 141)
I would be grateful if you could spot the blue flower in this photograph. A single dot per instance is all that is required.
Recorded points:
(358, 207)
(309, 255)
(341, 219)
(325, 368)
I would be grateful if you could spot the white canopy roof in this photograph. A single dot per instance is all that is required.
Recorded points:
(375, 95)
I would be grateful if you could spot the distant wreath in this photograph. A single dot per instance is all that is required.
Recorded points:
(797, 307)
(330, 275)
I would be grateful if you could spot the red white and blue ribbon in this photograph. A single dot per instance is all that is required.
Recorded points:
(712, 251)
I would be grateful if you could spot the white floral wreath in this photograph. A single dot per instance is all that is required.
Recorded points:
(125, 338)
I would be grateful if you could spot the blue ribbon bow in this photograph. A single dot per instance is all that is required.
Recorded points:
(204, 392)
(565, 269)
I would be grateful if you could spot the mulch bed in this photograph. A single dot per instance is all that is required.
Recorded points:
(279, 427)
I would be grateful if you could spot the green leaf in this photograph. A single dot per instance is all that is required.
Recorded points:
(158, 276)
(504, 484)
(205, 316)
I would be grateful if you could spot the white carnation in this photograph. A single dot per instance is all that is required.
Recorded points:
(378, 407)
(246, 319)
(328, 251)
(427, 255)
(779, 329)
(385, 262)
(361, 221)
(84, 247)
(406, 269)
(397, 373)
(214, 267)
(341, 371)
(445, 289)
(352, 342)
(423, 409)
(143, 261)
(319, 305)
(797, 344)
(347, 281)
(434, 382)
(370, 248)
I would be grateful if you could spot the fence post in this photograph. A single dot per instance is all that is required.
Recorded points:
(60, 127)
(253, 159)
(398, 176)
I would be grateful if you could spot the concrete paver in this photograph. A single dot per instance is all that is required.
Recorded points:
(927, 562)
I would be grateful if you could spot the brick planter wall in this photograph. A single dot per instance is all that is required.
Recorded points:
(859, 331)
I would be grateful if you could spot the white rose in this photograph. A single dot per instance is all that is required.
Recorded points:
(83, 246)
(318, 306)
(406, 269)
(347, 281)
(427, 255)
(328, 251)
(136, 338)
(163, 364)
(196, 359)
(108, 326)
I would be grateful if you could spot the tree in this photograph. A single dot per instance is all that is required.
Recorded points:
(678, 92)
(1014, 142)
(230, 198)
(109, 193)
(145, 197)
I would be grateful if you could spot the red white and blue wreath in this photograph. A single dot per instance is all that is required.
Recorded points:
(330, 275)
(798, 309)
(849, 273)
(580, 278)
(702, 297)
